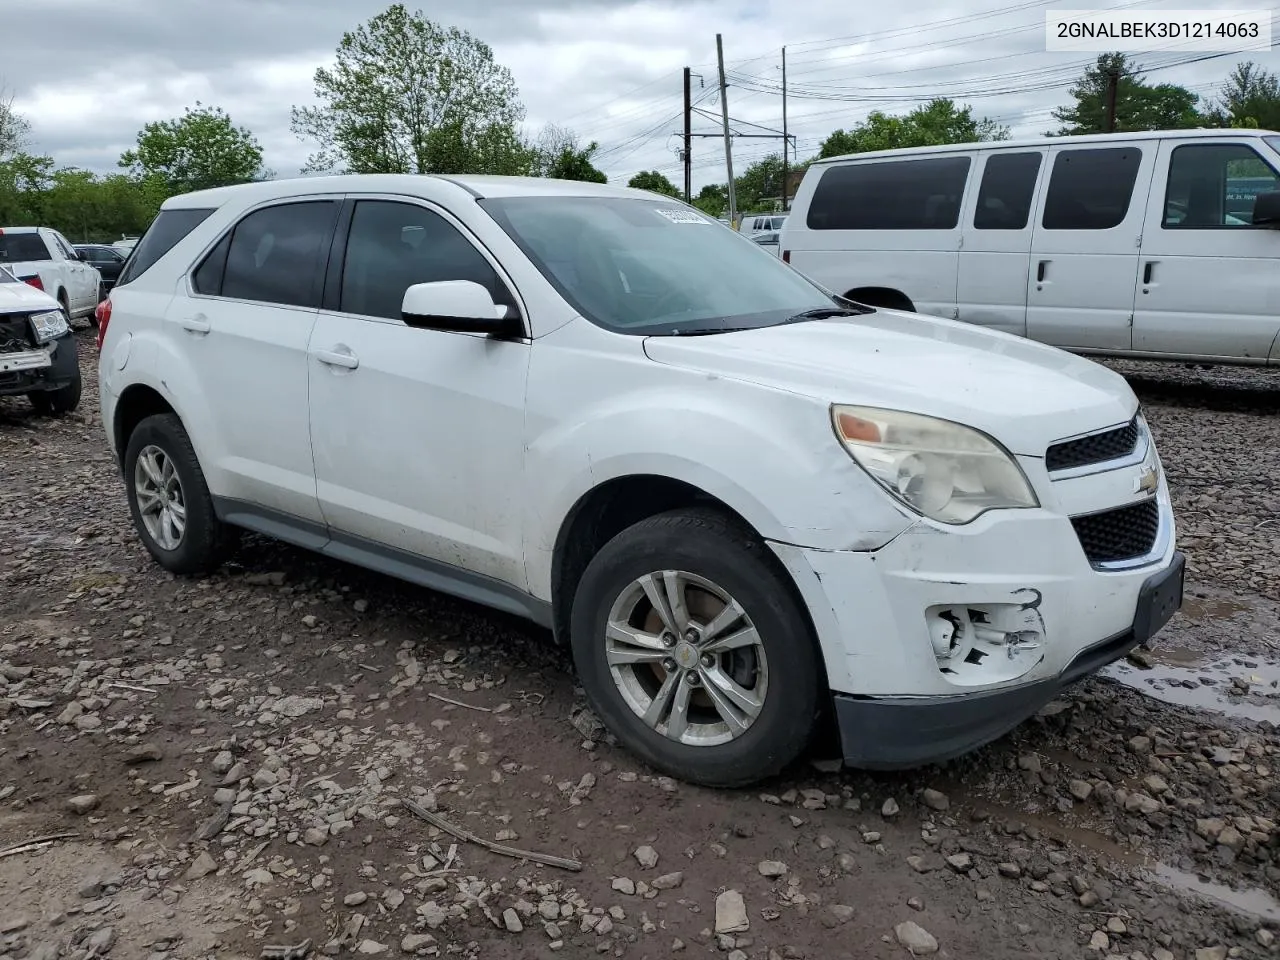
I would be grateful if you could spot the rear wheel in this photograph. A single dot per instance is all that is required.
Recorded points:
(170, 501)
(694, 651)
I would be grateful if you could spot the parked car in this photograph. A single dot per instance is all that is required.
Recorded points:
(767, 240)
(38, 355)
(1155, 245)
(763, 224)
(126, 244)
(742, 502)
(44, 259)
(106, 259)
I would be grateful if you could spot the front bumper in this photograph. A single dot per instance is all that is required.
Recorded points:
(49, 367)
(902, 732)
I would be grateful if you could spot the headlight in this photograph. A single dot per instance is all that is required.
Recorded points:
(49, 326)
(945, 471)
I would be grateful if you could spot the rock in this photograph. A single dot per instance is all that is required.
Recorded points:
(772, 868)
(316, 836)
(294, 707)
(731, 913)
(890, 809)
(83, 804)
(71, 714)
(1029, 762)
(1080, 789)
(394, 899)
(1143, 804)
(355, 899)
(1100, 942)
(1210, 829)
(1155, 785)
(511, 920)
(936, 800)
(235, 774)
(1117, 927)
(1212, 953)
(433, 914)
(371, 948)
(202, 866)
(265, 779)
(1010, 870)
(915, 938)
(960, 862)
(1161, 954)
(1089, 899)
(647, 857)
(16, 924)
(101, 942)
(1140, 745)
(668, 881)
(838, 914)
(1231, 839)
(416, 941)
(677, 945)
(223, 763)
(146, 753)
(1266, 938)
(91, 889)
(624, 886)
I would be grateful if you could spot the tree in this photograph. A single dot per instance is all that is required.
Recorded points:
(712, 199)
(654, 182)
(758, 184)
(14, 128)
(1139, 105)
(407, 95)
(560, 156)
(938, 122)
(199, 150)
(1250, 98)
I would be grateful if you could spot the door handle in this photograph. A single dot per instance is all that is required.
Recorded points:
(338, 358)
(1146, 271)
(1040, 270)
(197, 324)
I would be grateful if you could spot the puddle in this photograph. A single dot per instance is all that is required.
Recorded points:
(1210, 608)
(1253, 901)
(1180, 676)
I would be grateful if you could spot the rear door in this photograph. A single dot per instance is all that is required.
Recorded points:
(1208, 278)
(1084, 251)
(996, 250)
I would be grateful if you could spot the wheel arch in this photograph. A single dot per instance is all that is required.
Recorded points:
(136, 403)
(889, 298)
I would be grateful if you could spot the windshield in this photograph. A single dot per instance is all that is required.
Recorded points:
(650, 268)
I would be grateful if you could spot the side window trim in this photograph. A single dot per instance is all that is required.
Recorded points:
(332, 295)
(228, 233)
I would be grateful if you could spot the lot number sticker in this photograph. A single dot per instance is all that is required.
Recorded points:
(682, 216)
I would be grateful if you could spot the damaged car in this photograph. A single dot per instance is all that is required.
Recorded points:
(38, 354)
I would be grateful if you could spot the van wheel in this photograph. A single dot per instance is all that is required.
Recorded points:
(695, 653)
(170, 501)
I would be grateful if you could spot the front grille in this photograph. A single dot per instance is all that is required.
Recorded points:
(1098, 448)
(15, 334)
(1122, 534)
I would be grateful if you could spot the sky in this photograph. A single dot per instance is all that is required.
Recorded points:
(610, 70)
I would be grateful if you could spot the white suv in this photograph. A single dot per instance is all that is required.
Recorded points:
(747, 505)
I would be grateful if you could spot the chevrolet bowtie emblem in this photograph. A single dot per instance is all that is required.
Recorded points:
(1148, 481)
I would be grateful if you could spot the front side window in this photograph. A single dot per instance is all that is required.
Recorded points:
(650, 268)
(890, 195)
(1007, 192)
(1091, 189)
(1214, 185)
(274, 254)
(392, 246)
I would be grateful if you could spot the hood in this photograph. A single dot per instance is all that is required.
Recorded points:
(24, 298)
(1025, 394)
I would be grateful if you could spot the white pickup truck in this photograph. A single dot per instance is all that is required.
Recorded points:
(43, 258)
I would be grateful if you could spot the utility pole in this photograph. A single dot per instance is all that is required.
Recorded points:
(785, 141)
(1113, 81)
(728, 141)
(688, 139)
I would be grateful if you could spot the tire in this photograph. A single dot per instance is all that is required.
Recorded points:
(709, 555)
(203, 542)
(58, 402)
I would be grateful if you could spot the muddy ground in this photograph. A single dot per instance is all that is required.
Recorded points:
(226, 762)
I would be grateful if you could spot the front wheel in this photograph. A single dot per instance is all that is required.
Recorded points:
(61, 401)
(695, 652)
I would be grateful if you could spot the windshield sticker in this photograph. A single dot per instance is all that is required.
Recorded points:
(682, 216)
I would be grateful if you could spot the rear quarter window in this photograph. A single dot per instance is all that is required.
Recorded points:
(166, 231)
(21, 247)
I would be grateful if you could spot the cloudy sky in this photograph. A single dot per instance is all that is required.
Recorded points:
(94, 72)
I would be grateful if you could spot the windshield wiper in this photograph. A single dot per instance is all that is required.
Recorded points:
(827, 313)
(707, 331)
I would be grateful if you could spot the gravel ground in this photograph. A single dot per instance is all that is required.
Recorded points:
(239, 765)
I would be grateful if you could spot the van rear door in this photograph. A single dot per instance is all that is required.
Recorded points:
(1084, 249)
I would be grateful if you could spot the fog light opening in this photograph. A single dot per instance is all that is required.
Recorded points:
(975, 646)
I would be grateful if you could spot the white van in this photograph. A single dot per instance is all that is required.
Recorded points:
(763, 224)
(1162, 245)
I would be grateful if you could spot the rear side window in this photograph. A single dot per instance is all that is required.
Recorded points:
(1008, 188)
(18, 247)
(1091, 189)
(166, 231)
(891, 195)
(273, 255)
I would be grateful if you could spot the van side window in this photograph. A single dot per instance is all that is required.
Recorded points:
(890, 195)
(1008, 188)
(1214, 185)
(1091, 189)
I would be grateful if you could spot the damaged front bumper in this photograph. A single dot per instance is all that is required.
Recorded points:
(49, 367)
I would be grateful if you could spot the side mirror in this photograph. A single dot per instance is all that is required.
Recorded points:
(460, 306)
(1266, 210)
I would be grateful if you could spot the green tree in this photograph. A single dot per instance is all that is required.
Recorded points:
(407, 95)
(1139, 105)
(759, 184)
(199, 150)
(559, 155)
(1250, 98)
(655, 182)
(713, 199)
(14, 128)
(938, 122)
(24, 178)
